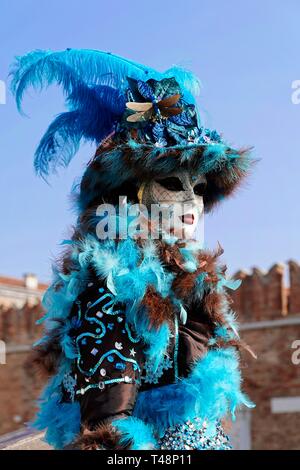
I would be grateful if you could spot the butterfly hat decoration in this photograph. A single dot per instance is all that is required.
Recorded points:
(143, 123)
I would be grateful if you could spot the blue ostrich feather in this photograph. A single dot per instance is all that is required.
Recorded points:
(59, 143)
(66, 68)
(94, 84)
(92, 115)
(190, 84)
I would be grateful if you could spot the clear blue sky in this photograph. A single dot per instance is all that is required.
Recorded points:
(246, 53)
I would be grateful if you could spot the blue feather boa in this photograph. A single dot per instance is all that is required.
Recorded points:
(210, 391)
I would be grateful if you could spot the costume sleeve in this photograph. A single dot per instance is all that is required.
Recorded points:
(193, 340)
(107, 369)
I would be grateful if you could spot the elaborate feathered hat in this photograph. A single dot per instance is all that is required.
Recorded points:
(144, 123)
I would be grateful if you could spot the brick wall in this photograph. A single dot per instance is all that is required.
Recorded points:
(262, 297)
(272, 375)
(294, 298)
(19, 387)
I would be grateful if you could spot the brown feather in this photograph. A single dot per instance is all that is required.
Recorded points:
(44, 359)
(170, 101)
(167, 112)
(92, 439)
(159, 309)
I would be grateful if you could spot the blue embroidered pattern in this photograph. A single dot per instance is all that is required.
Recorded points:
(107, 308)
(114, 351)
(108, 353)
(133, 340)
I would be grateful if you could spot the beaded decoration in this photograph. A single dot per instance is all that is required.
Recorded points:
(151, 376)
(192, 435)
(69, 384)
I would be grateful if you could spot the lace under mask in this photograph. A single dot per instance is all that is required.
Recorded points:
(179, 197)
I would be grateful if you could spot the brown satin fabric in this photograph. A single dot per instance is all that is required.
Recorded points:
(116, 399)
(192, 345)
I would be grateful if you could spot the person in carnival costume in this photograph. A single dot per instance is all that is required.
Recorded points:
(141, 346)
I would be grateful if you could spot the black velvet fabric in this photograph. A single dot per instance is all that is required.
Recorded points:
(110, 350)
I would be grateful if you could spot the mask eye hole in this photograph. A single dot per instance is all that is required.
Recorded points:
(171, 184)
(200, 188)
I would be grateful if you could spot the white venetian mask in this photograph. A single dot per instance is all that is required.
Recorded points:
(182, 192)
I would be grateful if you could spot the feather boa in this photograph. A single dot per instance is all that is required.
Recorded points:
(129, 268)
(211, 391)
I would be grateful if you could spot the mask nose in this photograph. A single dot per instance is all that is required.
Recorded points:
(189, 195)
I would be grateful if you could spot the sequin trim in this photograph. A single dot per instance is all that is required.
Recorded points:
(101, 385)
(176, 348)
(69, 383)
(193, 435)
